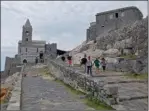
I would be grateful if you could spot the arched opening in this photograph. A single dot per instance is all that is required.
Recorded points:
(41, 55)
(24, 61)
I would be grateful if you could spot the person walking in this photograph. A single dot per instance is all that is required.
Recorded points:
(69, 60)
(103, 63)
(89, 66)
(97, 64)
(83, 62)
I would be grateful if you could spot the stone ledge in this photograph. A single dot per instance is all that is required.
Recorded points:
(14, 102)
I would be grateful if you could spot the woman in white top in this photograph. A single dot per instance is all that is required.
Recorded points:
(89, 66)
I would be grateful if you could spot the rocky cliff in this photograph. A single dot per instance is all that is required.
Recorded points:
(129, 40)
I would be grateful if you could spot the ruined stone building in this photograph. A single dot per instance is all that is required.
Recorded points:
(112, 20)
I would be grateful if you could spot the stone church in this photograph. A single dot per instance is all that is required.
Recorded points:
(29, 50)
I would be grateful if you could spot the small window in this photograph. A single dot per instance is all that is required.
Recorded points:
(27, 32)
(102, 26)
(111, 16)
(122, 14)
(26, 49)
(116, 15)
(26, 39)
(37, 49)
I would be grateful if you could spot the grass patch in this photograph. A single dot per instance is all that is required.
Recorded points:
(130, 56)
(137, 76)
(96, 104)
(93, 103)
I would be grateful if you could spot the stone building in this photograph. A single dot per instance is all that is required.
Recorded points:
(113, 20)
(29, 49)
(91, 32)
(51, 50)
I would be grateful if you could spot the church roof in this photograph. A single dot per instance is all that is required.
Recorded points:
(27, 24)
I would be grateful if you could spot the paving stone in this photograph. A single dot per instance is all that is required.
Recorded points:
(40, 93)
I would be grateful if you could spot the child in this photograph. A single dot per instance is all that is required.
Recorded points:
(97, 64)
(103, 62)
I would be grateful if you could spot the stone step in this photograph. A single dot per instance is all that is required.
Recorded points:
(132, 98)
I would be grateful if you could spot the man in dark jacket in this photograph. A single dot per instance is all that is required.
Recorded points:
(83, 62)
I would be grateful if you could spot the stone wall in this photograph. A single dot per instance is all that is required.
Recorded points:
(51, 50)
(138, 66)
(91, 32)
(116, 19)
(11, 66)
(81, 82)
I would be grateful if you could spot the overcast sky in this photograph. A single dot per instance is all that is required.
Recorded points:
(63, 22)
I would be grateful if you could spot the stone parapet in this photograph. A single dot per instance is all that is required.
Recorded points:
(83, 83)
(15, 100)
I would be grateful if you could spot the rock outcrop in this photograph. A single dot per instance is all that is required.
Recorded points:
(129, 40)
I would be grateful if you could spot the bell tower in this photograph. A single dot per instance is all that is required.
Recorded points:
(27, 32)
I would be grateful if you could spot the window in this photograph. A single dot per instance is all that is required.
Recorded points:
(102, 26)
(116, 15)
(37, 49)
(27, 32)
(122, 14)
(26, 39)
(20, 50)
(111, 16)
(26, 49)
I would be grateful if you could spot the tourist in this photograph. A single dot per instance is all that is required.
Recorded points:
(83, 62)
(69, 60)
(103, 63)
(89, 66)
(97, 64)
(63, 58)
(36, 60)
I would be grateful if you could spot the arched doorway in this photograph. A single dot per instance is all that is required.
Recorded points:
(41, 55)
(24, 61)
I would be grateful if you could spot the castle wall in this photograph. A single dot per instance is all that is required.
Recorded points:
(112, 20)
(108, 21)
(11, 66)
(51, 50)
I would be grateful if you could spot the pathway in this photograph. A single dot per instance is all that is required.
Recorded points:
(45, 94)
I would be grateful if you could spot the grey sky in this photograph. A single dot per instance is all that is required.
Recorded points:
(63, 22)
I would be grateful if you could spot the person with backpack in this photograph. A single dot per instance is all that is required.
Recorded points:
(103, 63)
(83, 62)
(89, 66)
(97, 64)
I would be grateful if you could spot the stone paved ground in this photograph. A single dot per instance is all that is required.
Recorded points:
(133, 93)
(45, 94)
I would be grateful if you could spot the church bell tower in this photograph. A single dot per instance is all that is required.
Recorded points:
(27, 32)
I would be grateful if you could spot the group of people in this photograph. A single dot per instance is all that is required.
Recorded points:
(88, 64)
(69, 58)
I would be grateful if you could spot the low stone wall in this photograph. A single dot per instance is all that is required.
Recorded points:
(139, 65)
(15, 100)
(81, 82)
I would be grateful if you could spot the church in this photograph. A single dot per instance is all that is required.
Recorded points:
(29, 50)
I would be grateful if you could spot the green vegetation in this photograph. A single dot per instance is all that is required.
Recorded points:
(96, 104)
(130, 56)
(137, 76)
(92, 102)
